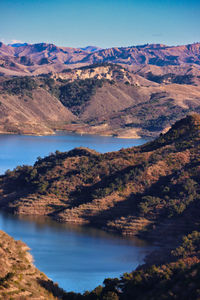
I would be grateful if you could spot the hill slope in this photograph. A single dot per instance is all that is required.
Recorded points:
(27, 108)
(133, 92)
(100, 99)
(137, 190)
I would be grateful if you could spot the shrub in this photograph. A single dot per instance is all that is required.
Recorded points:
(78, 92)
(19, 85)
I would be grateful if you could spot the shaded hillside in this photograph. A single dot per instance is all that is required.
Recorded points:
(150, 189)
(19, 278)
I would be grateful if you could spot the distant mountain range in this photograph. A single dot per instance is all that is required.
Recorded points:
(87, 48)
(43, 58)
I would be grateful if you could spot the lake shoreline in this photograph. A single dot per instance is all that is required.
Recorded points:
(123, 134)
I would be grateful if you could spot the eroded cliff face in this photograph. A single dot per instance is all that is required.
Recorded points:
(19, 278)
(109, 72)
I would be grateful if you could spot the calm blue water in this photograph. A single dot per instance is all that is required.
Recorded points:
(77, 258)
(18, 149)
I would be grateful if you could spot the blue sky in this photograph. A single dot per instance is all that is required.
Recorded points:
(105, 23)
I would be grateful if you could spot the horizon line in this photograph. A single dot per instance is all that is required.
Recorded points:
(100, 48)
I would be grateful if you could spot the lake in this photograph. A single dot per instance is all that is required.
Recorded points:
(77, 258)
(20, 149)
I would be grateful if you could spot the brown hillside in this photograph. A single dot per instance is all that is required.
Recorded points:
(35, 113)
(100, 99)
(143, 189)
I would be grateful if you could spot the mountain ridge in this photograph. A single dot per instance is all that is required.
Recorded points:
(57, 57)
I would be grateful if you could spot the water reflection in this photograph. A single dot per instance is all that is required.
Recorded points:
(43, 222)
